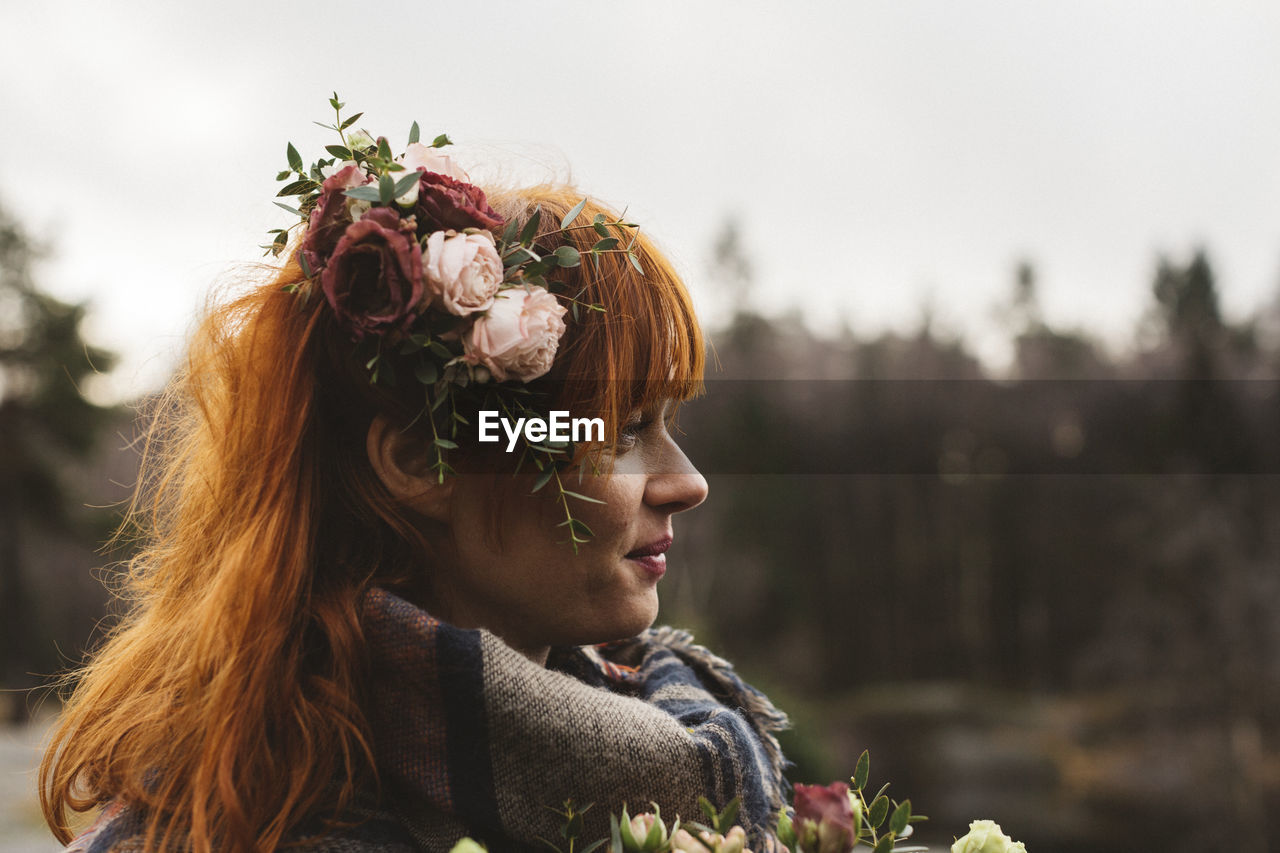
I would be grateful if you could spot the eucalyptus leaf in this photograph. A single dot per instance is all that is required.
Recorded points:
(427, 372)
(350, 121)
(301, 187)
(605, 244)
(580, 497)
(384, 149)
(284, 206)
(368, 192)
(386, 189)
(406, 183)
(862, 770)
(567, 256)
(884, 845)
(635, 262)
(342, 152)
(901, 816)
(509, 233)
(295, 159)
(530, 228)
(572, 214)
(599, 226)
(413, 133)
(283, 176)
(878, 812)
(445, 443)
(441, 141)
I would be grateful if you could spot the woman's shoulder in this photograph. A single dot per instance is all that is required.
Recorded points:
(120, 829)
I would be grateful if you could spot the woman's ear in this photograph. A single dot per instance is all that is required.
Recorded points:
(402, 462)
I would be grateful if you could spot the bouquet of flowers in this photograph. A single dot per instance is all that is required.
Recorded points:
(835, 818)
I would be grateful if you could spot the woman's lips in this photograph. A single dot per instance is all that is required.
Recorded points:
(652, 557)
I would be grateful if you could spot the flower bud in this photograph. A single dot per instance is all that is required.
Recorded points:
(985, 836)
(466, 845)
(644, 833)
(824, 818)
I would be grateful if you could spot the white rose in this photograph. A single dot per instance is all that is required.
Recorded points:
(463, 270)
(986, 836)
(517, 337)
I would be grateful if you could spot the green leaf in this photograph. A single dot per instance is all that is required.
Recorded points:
(901, 815)
(350, 121)
(530, 228)
(729, 815)
(567, 256)
(580, 497)
(306, 267)
(284, 206)
(295, 159)
(301, 187)
(878, 812)
(386, 189)
(441, 141)
(862, 771)
(384, 149)
(445, 443)
(572, 214)
(605, 244)
(335, 103)
(413, 133)
(595, 846)
(342, 152)
(427, 372)
(406, 183)
(440, 349)
(707, 809)
(635, 262)
(884, 845)
(368, 192)
(615, 835)
(283, 176)
(509, 233)
(598, 225)
(543, 478)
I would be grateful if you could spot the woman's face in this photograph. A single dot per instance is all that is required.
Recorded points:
(531, 588)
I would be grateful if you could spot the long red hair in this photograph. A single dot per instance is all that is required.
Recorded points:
(228, 700)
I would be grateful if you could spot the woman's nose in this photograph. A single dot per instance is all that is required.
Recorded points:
(674, 484)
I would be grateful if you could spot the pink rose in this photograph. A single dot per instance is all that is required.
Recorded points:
(517, 337)
(463, 270)
(419, 156)
(373, 279)
(824, 818)
(445, 203)
(331, 215)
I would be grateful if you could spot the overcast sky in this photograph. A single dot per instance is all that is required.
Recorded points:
(878, 155)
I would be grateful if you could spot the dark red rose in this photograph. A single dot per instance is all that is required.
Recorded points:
(444, 203)
(824, 817)
(330, 216)
(373, 279)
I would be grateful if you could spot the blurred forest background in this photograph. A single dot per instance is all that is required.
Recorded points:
(1048, 596)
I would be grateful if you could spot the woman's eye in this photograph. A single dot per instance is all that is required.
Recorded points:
(632, 430)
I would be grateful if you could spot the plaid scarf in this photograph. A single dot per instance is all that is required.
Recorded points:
(474, 739)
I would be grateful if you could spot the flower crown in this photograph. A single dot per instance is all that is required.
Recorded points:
(403, 250)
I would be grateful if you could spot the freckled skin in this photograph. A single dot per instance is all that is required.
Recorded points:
(533, 591)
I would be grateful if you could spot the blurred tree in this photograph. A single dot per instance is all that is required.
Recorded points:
(45, 421)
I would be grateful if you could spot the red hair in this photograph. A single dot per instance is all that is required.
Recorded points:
(229, 698)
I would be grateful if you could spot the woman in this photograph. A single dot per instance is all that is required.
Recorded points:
(351, 627)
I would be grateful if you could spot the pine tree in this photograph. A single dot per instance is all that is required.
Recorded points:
(45, 422)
